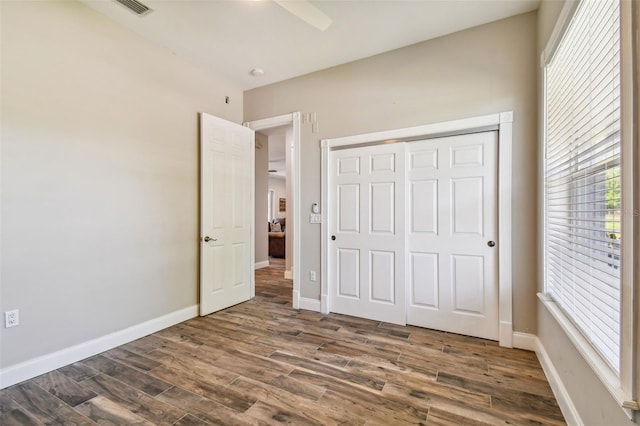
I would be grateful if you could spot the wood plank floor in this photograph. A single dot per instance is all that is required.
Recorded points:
(261, 362)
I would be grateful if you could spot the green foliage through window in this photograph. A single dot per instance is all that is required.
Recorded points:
(613, 189)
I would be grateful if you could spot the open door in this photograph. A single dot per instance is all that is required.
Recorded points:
(226, 222)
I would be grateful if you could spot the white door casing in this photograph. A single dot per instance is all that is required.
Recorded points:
(227, 216)
(451, 234)
(366, 260)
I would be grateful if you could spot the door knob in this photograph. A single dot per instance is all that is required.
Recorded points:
(333, 238)
(491, 243)
(207, 239)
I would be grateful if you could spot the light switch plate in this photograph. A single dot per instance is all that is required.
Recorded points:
(315, 218)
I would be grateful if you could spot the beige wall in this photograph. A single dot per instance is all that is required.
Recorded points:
(592, 401)
(262, 188)
(479, 71)
(99, 176)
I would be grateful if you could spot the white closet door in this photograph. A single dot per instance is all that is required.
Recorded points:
(366, 264)
(451, 234)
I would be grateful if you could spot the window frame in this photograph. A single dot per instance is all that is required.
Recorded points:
(622, 386)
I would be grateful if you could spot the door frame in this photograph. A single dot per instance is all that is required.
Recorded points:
(292, 119)
(502, 123)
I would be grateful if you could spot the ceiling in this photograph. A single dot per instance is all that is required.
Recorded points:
(229, 38)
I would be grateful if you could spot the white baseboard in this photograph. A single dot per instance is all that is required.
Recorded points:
(288, 275)
(525, 341)
(260, 265)
(569, 410)
(531, 342)
(45, 363)
(310, 304)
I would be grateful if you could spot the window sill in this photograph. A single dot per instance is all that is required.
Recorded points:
(602, 370)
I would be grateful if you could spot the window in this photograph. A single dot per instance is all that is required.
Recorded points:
(582, 178)
(585, 188)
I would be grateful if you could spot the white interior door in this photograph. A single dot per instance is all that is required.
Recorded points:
(366, 262)
(226, 223)
(451, 227)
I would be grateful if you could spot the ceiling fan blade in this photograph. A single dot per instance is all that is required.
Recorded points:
(306, 11)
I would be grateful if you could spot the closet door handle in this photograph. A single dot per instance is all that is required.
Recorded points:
(333, 238)
(491, 243)
(208, 238)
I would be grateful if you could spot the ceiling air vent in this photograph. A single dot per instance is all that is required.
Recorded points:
(135, 6)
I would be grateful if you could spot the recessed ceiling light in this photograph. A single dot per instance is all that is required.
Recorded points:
(256, 72)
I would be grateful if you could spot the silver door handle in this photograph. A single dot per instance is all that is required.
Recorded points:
(208, 238)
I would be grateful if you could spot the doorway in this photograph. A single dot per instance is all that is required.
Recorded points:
(279, 247)
(286, 207)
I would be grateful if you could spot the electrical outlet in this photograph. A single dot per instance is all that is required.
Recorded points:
(11, 318)
(312, 275)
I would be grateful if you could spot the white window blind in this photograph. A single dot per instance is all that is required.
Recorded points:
(582, 175)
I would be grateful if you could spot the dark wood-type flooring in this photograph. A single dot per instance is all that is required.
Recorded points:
(261, 362)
